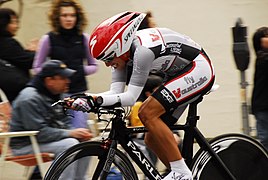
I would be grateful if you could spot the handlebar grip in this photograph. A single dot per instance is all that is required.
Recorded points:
(66, 103)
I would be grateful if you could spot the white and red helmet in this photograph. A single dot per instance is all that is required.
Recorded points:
(114, 35)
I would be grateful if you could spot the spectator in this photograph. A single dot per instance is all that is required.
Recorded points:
(32, 111)
(260, 94)
(15, 61)
(68, 43)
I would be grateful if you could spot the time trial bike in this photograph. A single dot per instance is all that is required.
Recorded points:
(226, 157)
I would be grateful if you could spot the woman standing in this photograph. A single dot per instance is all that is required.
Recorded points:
(15, 61)
(67, 42)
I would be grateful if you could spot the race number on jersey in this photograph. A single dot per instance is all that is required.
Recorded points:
(151, 38)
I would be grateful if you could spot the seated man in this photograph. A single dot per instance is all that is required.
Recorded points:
(32, 111)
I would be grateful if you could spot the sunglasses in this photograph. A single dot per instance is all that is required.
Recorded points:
(108, 58)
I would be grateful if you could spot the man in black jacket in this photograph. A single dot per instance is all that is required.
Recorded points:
(260, 92)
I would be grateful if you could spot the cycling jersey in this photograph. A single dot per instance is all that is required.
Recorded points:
(182, 60)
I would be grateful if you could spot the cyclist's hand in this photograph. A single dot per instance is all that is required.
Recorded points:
(68, 102)
(82, 104)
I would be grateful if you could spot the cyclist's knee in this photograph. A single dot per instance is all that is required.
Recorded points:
(150, 110)
(146, 115)
(143, 116)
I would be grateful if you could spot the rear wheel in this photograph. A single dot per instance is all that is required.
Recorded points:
(245, 157)
(121, 166)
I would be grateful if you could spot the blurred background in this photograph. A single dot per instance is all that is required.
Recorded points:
(208, 22)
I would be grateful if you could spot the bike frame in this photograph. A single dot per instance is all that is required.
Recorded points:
(120, 134)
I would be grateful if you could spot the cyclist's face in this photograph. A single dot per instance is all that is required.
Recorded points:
(68, 17)
(118, 62)
(57, 84)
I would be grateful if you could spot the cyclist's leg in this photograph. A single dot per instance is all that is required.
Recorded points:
(169, 119)
(159, 138)
(152, 156)
(262, 127)
(145, 150)
(195, 80)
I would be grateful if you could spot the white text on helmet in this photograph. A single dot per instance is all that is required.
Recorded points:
(129, 34)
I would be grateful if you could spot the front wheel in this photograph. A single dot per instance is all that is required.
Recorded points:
(245, 157)
(121, 166)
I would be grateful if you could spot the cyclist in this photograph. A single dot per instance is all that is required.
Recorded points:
(188, 70)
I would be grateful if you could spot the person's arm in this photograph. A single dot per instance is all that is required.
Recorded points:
(13, 52)
(92, 66)
(41, 54)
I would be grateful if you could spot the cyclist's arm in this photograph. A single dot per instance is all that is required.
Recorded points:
(127, 98)
(116, 92)
(143, 58)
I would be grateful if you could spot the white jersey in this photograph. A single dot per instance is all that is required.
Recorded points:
(158, 49)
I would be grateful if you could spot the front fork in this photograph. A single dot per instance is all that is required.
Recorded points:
(106, 160)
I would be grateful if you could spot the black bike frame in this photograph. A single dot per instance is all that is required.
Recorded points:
(121, 133)
(191, 133)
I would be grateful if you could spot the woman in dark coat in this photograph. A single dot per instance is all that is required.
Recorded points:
(15, 61)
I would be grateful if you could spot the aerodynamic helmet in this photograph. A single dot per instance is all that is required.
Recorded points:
(114, 35)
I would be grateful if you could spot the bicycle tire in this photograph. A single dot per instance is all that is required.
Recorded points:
(92, 149)
(244, 156)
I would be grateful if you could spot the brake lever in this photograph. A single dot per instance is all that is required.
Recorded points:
(62, 103)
